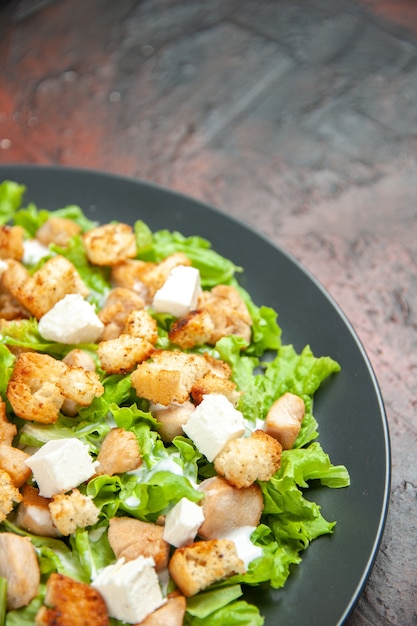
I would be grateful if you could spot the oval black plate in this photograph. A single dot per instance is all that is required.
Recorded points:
(352, 422)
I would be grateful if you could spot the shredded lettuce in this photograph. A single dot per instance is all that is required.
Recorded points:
(263, 369)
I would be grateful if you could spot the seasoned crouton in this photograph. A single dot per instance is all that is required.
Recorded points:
(130, 538)
(7, 430)
(80, 358)
(171, 418)
(33, 513)
(202, 563)
(244, 460)
(12, 461)
(110, 244)
(32, 389)
(119, 452)
(79, 385)
(9, 495)
(141, 324)
(57, 230)
(120, 355)
(170, 614)
(211, 383)
(11, 309)
(226, 507)
(120, 303)
(49, 284)
(128, 275)
(71, 603)
(284, 418)
(11, 242)
(228, 312)
(168, 376)
(73, 510)
(194, 329)
(19, 566)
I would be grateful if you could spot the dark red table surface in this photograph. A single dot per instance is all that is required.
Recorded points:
(297, 116)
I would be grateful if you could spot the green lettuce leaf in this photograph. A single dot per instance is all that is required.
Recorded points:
(11, 194)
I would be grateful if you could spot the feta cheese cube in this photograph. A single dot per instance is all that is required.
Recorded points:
(214, 422)
(246, 550)
(61, 465)
(130, 589)
(179, 294)
(182, 523)
(71, 320)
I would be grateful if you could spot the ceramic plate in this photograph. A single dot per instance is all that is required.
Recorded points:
(352, 423)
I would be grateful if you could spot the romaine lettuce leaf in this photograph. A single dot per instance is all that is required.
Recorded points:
(11, 194)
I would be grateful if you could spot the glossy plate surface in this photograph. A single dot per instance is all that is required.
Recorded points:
(352, 423)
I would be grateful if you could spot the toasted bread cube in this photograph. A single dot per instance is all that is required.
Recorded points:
(73, 510)
(49, 284)
(120, 303)
(57, 230)
(128, 274)
(244, 460)
(141, 324)
(80, 358)
(33, 513)
(32, 389)
(228, 312)
(12, 461)
(203, 563)
(130, 538)
(8, 430)
(226, 507)
(19, 566)
(80, 386)
(194, 329)
(119, 452)
(71, 603)
(9, 495)
(11, 242)
(120, 355)
(110, 244)
(170, 614)
(211, 383)
(168, 377)
(284, 418)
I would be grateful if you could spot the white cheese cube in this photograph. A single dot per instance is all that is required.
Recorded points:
(71, 320)
(34, 251)
(246, 550)
(130, 589)
(182, 523)
(179, 294)
(214, 422)
(61, 465)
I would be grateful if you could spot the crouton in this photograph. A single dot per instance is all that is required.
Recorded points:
(120, 303)
(11, 242)
(194, 329)
(168, 376)
(12, 461)
(13, 276)
(244, 460)
(283, 421)
(11, 309)
(33, 513)
(141, 324)
(110, 244)
(211, 383)
(7, 430)
(128, 275)
(32, 389)
(80, 385)
(57, 230)
(120, 355)
(170, 614)
(19, 566)
(73, 510)
(9, 495)
(228, 312)
(119, 452)
(202, 563)
(154, 275)
(226, 507)
(130, 538)
(171, 418)
(49, 284)
(71, 603)
(80, 358)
